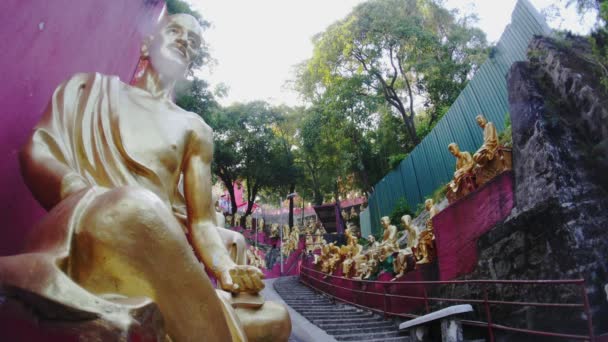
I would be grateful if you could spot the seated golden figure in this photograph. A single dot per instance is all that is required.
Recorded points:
(491, 158)
(249, 222)
(389, 239)
(400, 263)
(106, 161)
(425, 251)
(463, 181)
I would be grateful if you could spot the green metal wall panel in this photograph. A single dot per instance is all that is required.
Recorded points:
(430, 165)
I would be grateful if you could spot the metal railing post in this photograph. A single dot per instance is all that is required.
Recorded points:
(587, 311)
(488, 314)
(384, 298)
(426, 299)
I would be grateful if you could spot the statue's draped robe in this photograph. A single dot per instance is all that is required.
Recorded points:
(81, 129)
(490, 144)
(464, 165)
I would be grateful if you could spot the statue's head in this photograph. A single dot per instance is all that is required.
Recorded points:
(454, 149)
(428, 204)
(385, 221)
(406, 220)
(174, 46)
(481, 120)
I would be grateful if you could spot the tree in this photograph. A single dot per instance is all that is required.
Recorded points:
(399, 49)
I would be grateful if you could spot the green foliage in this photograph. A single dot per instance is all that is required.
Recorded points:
(505, 138)
(401, 208)
(395, 50)
(396, 159)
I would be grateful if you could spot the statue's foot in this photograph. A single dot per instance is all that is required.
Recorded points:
(422, 261)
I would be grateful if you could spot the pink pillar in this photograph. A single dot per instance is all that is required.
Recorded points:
(42, 43)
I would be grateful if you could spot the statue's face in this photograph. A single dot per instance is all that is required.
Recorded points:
(481, 121)
(454, 150)
(174, 47)
(384, 222)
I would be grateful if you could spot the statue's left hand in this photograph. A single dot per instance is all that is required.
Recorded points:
(242, 278)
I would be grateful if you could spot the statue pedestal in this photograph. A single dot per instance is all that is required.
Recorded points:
(458, 226)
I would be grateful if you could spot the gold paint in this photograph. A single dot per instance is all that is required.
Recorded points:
(106, 160)
(425, 253)
(491, 158)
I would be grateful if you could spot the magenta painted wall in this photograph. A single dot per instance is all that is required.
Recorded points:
(42, 43)
(459, 226)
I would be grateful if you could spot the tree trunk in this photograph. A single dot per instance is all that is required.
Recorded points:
(251, 199)
(230, 187)
(292, 189)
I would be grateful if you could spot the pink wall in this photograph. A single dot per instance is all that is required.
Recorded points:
(42, 43)
(459, 226)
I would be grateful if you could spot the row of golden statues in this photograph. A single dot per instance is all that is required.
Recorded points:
(474, 171)
(362, 263)
(126, 177)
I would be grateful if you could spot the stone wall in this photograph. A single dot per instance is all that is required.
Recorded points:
(558, 228)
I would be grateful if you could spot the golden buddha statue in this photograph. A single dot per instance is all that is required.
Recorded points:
(260, 224)
(400, 261)
(488, 149)
(353, 213)
(106, 160)
(462, 183)
(249, 222)
(491, 158)
(274, 230)
(389, 238)
(344, 214)
(425, 251)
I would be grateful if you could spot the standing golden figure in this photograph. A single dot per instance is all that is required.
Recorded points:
(106, 160)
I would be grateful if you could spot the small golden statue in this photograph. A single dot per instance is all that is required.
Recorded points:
(463, 182)
(353, 213)
(491, 158)
(106, 160)
(254, 259)
(249, 222)
(425, 251)
(274, 230)
(400, 263)
(260, 224)
(345, 214)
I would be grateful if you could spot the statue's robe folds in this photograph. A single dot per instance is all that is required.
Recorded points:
(81, 129)
(464, 165)
(490, 145)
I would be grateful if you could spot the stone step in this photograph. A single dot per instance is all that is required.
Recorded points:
(391, 339)
(349, 320)
(367, 337)
(361, 330)
(357, 326)
(332, 316)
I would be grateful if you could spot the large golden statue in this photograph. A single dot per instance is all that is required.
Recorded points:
(106, 160)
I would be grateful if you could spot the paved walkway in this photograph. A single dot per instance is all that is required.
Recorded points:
(302, 330)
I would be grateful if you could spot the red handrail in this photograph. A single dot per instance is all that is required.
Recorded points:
(307, 279)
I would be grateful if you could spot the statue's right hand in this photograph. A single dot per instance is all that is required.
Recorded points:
(242, 278)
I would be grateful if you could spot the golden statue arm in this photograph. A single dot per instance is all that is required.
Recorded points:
(202, 226)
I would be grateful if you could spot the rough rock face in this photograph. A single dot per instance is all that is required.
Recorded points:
(558, 229)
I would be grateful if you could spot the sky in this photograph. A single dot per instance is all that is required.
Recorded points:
(257, 43)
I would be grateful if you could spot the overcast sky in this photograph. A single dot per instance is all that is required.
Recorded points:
(257, 42)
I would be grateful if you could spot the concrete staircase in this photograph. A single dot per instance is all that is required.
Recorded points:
(343, 322)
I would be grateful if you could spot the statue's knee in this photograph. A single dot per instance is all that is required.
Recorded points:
(132, 206)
